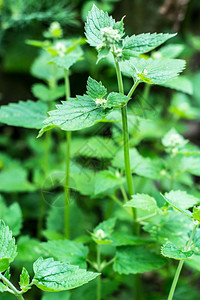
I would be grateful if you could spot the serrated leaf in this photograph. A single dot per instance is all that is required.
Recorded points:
(66, 61)
(53, 275)
(24, 279)
(67, 251)
(182, 199)
(28, 114)
(74, 114)
(171, 251)
(145, 42)
(44, 93)
(95, 89)
(151, 71)
(134, 260)
(116, 100)
(8, 249)
(143, 202)
(96, 20)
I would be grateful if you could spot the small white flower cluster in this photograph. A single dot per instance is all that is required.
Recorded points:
(110, 35)
(100, 234)
(100, 102)
(55, 30)
(176, 140)
(60, 47)
(145, 72)
(118, 53)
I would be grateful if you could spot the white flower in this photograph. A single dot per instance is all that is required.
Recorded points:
(110, 35)
(100, 102)
(100, 234)
(60, 47)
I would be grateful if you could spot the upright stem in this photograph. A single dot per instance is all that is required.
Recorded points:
(180, 265)
(67, 170)
(12, 287)
(99, 270)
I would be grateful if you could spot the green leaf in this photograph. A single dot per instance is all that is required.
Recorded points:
(64, 295)
(96, 146)
(95, 89)
(169, 51)
(133, 260)
(171, 251)
(181, 83)
(181, 199)
(106, 180)
(66, 61)
(177, 207)
(67, 251)
(140, 165)
(74, 114)
(96, 20)
(102, 233)
(53, 275)
(3, 288)
(143, 43)
(46, 94)
(43, 70)
(125, 239)
(8, 249)
(151, 71)
(28, 114)
(143, 202)
(24, 280)
(28, 249)
(116, 100)
(196, 213)
(14, 179)
(12, 216)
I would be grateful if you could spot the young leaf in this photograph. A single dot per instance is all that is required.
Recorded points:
(24, 280)
(102, 233)
(181, 199)
(74, 114)
(116, 100)
(96, 20)
(133, 260)
(143, 202)
(67, 251)
(171, 251)
(95, 89)
(143, 43)
(105, 181)
(28, 114)
(55, 276)
(8, 249)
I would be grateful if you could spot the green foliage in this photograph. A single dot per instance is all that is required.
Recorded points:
(55, 276)
(95, 89)
(67, 251)
(46, 94)
(26, 114)
(142, 260)
(171, 251)
(143, 202)
(74, 114)
(24, 280)
(102, 233)
(8, 249)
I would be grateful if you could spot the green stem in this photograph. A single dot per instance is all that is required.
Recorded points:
(180, 265)
(67, 170)
(99, 270)
(12, 287)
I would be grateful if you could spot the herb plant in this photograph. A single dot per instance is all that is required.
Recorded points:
(143, 199)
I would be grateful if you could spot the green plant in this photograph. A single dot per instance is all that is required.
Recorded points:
(115, 176)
